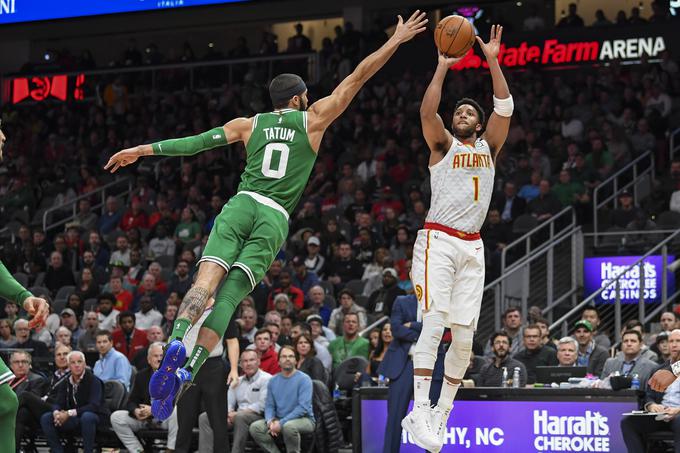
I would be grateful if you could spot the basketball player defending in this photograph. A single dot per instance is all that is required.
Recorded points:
(448, 258)
(281, 149)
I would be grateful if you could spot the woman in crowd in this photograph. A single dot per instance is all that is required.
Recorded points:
(6, 337)
(87, 287)
(375, 357)
(308, 362)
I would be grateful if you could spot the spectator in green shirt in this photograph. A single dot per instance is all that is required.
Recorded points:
(568, 191)
(599, 160)
(188, 230)
(350, 344)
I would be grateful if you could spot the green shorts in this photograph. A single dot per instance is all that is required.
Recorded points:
(247, 234)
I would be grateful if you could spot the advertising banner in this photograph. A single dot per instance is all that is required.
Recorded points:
(513, 426)
(12, 11)
(599, 272)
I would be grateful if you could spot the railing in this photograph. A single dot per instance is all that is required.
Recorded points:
(232, 66)
(609, 189)
(548, 276)
(101, 193)
(674, 142)
(563, 322)
(373, 325)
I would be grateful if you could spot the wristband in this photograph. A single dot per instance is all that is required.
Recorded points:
(72, 412)
(503, 107)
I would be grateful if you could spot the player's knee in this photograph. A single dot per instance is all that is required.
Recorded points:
(457, 357)
(425, 352)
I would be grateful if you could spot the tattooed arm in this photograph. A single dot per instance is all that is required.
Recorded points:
(194, 304)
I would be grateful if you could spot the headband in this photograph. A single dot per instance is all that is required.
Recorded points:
(285, 94)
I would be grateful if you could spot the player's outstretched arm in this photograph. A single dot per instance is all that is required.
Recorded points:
(437, 137)
(235, 130)
(323, 112)
(499, 121)
(12, 290)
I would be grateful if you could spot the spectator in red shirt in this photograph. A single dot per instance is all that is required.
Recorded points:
(135, 217)
(127, 339)
(401, 172)
(123, 297)
(295, 294)
(387, 200)
(269, 362)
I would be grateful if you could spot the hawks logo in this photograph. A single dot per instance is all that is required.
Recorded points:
(419, 293)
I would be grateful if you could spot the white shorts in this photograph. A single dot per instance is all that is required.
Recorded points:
(448, 275)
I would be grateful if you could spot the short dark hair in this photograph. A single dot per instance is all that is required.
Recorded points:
(632, 324)
(303, 325)
(511, 310)
(349, 292)
(500, 333)
(270, 324)
(532, 327)
(351, 314)
(106, 296)
(263, 331)
(126, 314)
(476, 106)
(289, 347)
(104, 332)
(632, 332)
(597, 312)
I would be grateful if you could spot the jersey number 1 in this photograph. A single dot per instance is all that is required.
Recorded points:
(267, 169)
(475, 182)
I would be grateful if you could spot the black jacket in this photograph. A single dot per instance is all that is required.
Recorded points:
(52, 389)
(381, 300)
(89, 396)
(531, 359)
(34, 383)
(328, 432)
(139, 394)
(313, 368)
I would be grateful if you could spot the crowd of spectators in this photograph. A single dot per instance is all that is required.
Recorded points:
(116, 277)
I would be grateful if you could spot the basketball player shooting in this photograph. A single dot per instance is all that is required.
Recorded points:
(281, 150)
(448, 258)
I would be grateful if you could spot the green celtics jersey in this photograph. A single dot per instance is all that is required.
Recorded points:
(6, 374)
(280, 158)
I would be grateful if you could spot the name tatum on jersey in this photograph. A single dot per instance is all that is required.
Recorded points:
(279, 133)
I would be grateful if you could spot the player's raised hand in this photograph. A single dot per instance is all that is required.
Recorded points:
(122, 158)
(445, 60)
(493, 47)
(36, 307)
(405, 31)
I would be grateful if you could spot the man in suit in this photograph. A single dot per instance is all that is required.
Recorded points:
(509, 204)
(590, 355)
(631, 362)
(137, 414)
(24, 380)
(33, 405)
(397, 366)
(79, 407)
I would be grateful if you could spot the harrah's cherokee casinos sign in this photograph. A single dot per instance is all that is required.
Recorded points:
(601, 272)
(595, 46)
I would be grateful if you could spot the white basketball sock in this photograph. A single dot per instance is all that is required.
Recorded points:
(421, 389)
(447, 395)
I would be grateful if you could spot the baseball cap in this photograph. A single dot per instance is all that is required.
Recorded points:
(313, 240)
(390, 270)
(311, 318)
(67, 311)
(625, 193)
(585, 324)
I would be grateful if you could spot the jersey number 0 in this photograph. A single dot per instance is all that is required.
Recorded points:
(267, 169)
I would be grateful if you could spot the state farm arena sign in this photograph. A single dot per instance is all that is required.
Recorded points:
(587, 47)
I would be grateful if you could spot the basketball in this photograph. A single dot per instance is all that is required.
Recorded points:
(454, 36)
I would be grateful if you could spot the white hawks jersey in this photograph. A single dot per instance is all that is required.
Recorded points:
(462, 186)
